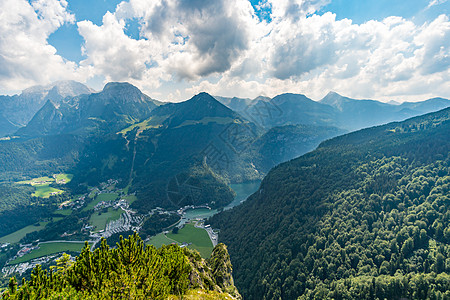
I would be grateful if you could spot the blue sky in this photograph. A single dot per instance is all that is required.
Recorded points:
(68, 42)
(172, 49)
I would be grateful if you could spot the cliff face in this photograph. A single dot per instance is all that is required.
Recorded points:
(214, 274)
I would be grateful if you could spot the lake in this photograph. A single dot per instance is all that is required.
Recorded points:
(243, 190)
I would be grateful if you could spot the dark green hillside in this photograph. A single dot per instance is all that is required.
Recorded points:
(133, 271)
(282, 143)
(168, 158)
(43, 154)
(364, 216)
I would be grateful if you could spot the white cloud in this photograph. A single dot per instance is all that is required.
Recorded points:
(26, 58)
(436, 2)
(223, 47)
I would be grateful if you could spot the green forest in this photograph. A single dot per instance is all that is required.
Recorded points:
(365, 216)
(132, 270)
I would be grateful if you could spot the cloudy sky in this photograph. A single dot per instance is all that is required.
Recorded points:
(172, 49)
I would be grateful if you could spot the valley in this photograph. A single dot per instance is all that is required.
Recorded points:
(117, 162)
(224, 150)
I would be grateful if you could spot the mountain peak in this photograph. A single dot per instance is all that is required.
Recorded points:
(118, 85)
(333, 99)
(204, 98)
(122, 91)
(59, 89)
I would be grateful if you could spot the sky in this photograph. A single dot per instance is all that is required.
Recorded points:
(173, 49)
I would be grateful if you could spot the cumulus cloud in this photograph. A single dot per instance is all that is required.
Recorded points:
(436, 2)
(25, 56)
(230, 48)
(111, 52)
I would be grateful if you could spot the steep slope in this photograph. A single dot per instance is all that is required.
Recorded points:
(356, 114)
(183, 148)
(283, 143)
(333, 110)
(133, 271)
(19, 109)
(353, 219)
(237, 104)
(284, 109)
(113, 108)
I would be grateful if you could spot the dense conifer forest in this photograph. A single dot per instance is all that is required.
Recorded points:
(365, 216)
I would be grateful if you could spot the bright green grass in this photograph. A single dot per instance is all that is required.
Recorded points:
(100, 221)
(100, 197)
(49, 248)
(16, 236)
(45, 191)
(160, 239)
(152, 122)
(197, 236)
(45, 180)
(66, 177)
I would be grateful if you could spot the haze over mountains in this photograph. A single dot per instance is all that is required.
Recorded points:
(366, 203)
(332, 110)
(16, 111)
(123, 134)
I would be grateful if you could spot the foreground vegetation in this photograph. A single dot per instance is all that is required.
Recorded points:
(364, 216)
(132, 271)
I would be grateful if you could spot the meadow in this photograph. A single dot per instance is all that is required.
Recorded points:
(48, 249)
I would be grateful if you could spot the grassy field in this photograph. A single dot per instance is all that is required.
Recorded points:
(100, 198)
(45, 191)
(197, 236)
(66, 177)
(41, 184)
(159, 240)
(16, 236)
(45, 180)
(100, 221)
(49, 248)
(152, 122)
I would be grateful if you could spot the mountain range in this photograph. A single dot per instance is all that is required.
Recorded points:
(120, 133)
(16, 111)
(333, 110)
(362, 216)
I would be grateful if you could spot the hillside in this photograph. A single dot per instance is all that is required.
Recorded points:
(193, 145)
(16, 111)
(333, 110)
(365, 215)
(116, 106)
(132, 270)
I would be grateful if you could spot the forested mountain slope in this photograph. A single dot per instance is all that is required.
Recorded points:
(333, 110)
(365, 215)
(132, 271)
